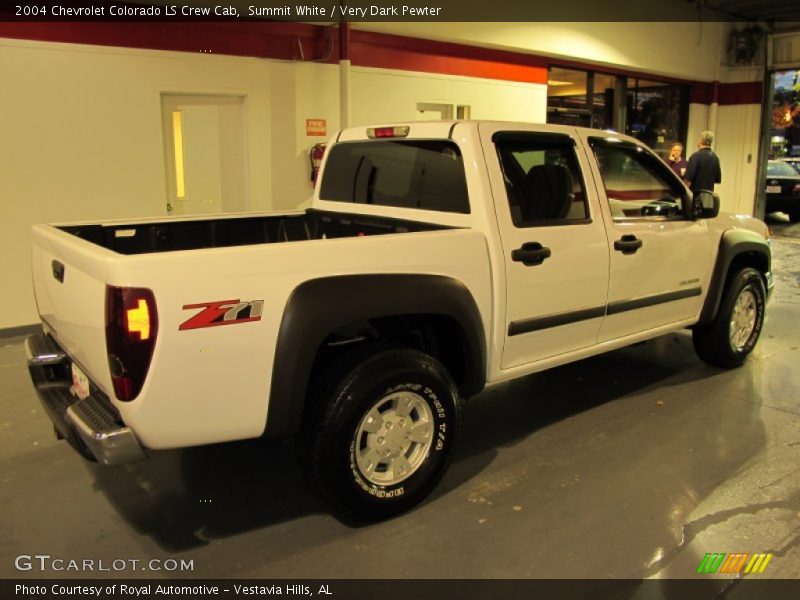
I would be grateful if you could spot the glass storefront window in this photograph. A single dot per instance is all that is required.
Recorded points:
(581, 98)
(603, 101)
(566, 97)
(657, 113)
(785, 126)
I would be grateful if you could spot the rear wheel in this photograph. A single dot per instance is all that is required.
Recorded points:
(732, 336)
(383, 434)
(794, 216)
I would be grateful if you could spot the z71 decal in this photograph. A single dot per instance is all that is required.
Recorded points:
(223, 312)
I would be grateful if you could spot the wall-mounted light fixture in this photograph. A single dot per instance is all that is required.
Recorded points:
(177, 143)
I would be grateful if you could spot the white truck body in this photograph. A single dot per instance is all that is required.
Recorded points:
(213, 384)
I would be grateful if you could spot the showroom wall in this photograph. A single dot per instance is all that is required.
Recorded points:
(82, 139)
(309, 90)
(738, 136)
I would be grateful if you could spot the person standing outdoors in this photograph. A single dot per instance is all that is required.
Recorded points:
(703, 170)
(676, 161)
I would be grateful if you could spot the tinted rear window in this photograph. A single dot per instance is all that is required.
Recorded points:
(423, 174)
(780, 169)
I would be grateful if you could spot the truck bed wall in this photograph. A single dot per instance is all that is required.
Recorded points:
(239, 231)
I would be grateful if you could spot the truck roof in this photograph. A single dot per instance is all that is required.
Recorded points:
(443, 129)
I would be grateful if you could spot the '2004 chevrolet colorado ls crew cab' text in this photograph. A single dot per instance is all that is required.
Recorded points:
(437, 258)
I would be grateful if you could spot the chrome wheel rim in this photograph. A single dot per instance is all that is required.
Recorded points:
(394, 438)
(743, 319)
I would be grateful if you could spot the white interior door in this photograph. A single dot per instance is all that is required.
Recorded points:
(205, 153)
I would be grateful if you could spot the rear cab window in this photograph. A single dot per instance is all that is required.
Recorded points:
(543, 179)
(418, 174)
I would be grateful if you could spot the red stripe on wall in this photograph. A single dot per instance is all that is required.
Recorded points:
(299, 41)
(290, 41)
(741, 93)
(405, 60)
(415, 54)
(727, 94)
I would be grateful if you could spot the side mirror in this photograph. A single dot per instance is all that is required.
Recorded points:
(704, 206)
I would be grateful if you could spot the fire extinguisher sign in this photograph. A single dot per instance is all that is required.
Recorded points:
(316, 127)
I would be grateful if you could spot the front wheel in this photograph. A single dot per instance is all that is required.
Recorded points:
(734, 332)
(384, 434)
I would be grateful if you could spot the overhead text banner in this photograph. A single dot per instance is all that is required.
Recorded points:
(328, 11)
(511, 589)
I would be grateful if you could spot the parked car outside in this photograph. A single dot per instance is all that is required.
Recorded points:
(793, 161)
(783, 189)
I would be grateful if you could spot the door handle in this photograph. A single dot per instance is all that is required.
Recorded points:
(629, 244)
(531, 254)
(58, 270)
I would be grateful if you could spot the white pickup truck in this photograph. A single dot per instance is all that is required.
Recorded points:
(437, 258)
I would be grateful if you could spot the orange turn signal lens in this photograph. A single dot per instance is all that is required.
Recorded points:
(139, 320)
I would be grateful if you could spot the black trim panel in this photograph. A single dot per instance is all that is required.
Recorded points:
(320, 306)
(615, 308)
(538, 323)
(745, 246)
(544, 137)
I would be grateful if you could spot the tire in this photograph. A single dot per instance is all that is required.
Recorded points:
(733, 334)
(794, 216)
(383, 433)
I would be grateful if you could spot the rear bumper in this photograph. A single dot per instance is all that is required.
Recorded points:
(92, 426)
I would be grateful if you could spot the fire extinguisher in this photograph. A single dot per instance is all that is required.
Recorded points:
(315, 156)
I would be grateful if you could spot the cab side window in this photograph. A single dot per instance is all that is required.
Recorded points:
(543, 180)
(637, 184)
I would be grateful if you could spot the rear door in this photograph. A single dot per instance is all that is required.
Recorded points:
(553, 241)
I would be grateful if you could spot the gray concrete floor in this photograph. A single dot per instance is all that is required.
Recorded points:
(632, 464)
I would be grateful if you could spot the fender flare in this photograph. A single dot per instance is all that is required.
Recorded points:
(733, 243)
(317, 307)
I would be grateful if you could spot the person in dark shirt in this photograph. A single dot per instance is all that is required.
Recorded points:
(676, 161)
(703, 170)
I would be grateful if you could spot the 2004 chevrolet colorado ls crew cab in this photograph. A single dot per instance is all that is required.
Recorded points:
(436, 259)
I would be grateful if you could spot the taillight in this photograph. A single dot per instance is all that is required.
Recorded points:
(131, 329)
(797, 189)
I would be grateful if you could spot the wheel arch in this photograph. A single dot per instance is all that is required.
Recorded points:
(737, 248)
(318, 308)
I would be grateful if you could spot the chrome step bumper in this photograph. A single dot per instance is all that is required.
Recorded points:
(92, 426)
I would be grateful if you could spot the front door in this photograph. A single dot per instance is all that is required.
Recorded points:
(660, 260)
(553, 240)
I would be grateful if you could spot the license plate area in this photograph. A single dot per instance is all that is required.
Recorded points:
(80, 383)
(773, 189)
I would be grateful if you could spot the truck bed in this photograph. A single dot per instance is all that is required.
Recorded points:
(166, 236)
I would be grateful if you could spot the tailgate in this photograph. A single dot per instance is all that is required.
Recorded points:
(69, 281)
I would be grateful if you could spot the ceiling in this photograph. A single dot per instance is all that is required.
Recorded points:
(780, 12)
